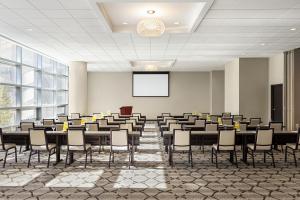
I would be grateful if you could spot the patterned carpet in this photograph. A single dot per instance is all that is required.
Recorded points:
(150, 177)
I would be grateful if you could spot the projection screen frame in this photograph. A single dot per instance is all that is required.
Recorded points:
(142, 72)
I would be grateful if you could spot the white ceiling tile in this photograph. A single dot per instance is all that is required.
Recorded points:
(19, 4)
(75, 4)
(57, 14)
(83, 14)
(46, 4)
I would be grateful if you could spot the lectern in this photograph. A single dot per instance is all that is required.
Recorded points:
(126, 110)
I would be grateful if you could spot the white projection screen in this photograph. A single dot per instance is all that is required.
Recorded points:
(146, 84)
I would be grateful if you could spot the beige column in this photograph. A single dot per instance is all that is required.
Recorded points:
(78, 87)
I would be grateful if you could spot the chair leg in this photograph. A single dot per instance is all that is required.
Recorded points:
(49, 154)
(285, 154)
(129, 158)
(4, 160)
(264, 157)
(253, 162)
(113, 157)
(86, 155)
(216, 154)
(191, 157)
(20, 151)
(212, 155)
(67, 155)
(109, 159)
(295, 159)
(272, 159)
(39, 159)
(29, 158)
(16, 157)
(236, 161)
(91, 154)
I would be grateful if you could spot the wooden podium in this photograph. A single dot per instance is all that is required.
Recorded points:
(126, 110)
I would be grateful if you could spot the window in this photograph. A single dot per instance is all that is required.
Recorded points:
(47, 98)
(28, 114)
(29, 97)
(8, 73)
(28, 76)
(7, 118)
(7, 96)
(32, 86)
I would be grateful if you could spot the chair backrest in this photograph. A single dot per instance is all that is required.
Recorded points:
(136, 118)
(127, 126)
(211, 127)
(25, 126)
(92, 126)
(76, 137)
(227, 121)
(97, 115)
(170, 121)
(131, 121)
(243, 126)
(115, 115)
(214, 118)
(298, 139)
(48, 122)
(59, 126)
(76, 122)
(181, 137)
(204, 115)
(102, 122)
(109, 119)
(226, 115)
(139, 115)
(226, 138)
(200, 122)
(186, 115)
(166, 114)
(255, 121)
(37, 137)
(1, 140)
(75, 115)
(166, 118)
(173, 126)
(276, 126)
(237, 118)
(119, 137)
(62, 118)
(192, 118)
(264, 138)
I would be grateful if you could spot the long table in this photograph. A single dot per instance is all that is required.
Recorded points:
(243, 138)
(60, 138)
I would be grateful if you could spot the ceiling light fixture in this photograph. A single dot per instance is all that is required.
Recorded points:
(176, 23)
(293, 29)
(151, 12)
(125, 23)
(151, 27)
(29, 29)
(262, 44)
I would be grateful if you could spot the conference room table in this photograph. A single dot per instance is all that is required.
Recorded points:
(243, 138)
(60, 139)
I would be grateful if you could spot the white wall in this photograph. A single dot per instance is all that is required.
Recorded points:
(217, 92)
(189, 92)
(254, 87)
(78, 87)
(276, 75)
(232, 87)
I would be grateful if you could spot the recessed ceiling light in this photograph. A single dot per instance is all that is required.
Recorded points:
(150, 12)
(262, 44)
(29, 29)
(293, 29)
(176, 23)
(125, 23)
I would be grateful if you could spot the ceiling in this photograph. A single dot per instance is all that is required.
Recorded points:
(74, 30)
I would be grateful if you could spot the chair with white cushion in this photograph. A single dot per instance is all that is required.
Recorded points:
(6, 147)
(39, 143)
(118, 144)
(181, 144)
(291, 148)
(211, 127)
(63, 118)
(76, 122)
(255, 121)
(166, 114)
(76, 143)
(92, 126)
(214, 118)
(227, 121)
(263, 143)
(75, 115)
(25, 126)
(226, 115)
(226, 143)
(200, 123)
(59, 126)
(238, 118)
(48, 122)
